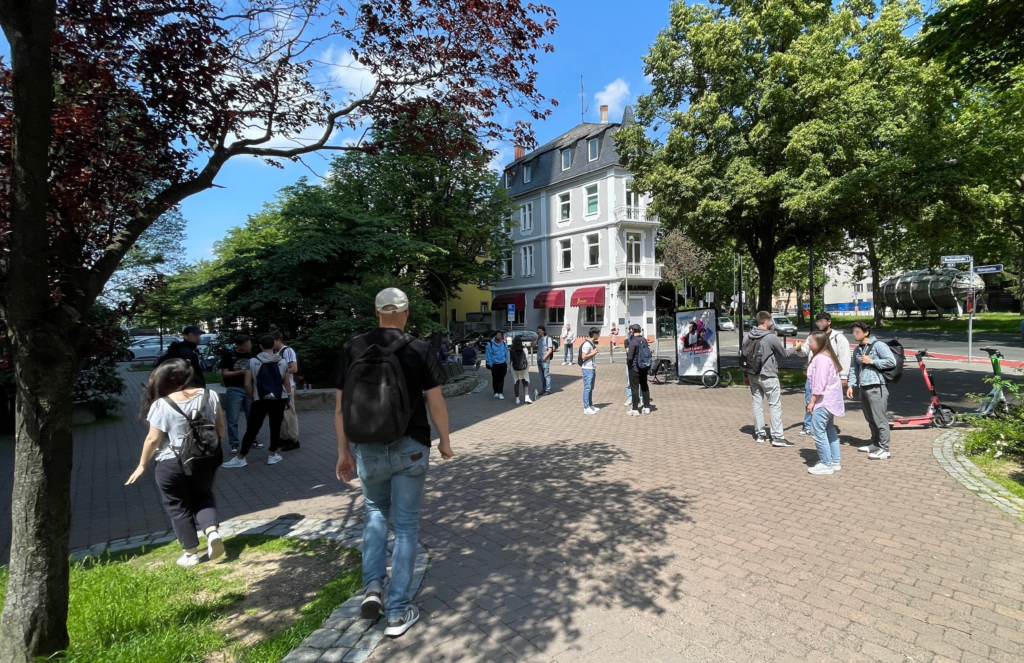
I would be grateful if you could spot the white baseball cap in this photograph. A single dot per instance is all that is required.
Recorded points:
(392, 297)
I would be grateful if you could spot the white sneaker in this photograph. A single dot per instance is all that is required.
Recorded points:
(399, 625)
(820, 468)
(836, 467)
(214, 546)
(565, 363)
(646, 410)
(528, 400)
(633, 413)
(590, 410)
(274, 458)
(517, 400)
(496, 395)
(188, 559)
(501, 397)
(629, 403)
(881, 454)
(869, 449)
(803, 433)
(235, 462)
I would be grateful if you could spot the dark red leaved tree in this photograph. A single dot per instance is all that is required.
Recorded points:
(114, 111)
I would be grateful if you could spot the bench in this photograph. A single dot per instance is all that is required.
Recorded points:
(456, 372)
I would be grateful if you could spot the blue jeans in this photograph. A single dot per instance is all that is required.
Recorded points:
(544, 368)
(807, 401)
(629, 392)
(826, 439)
(568, 353)
(588, 387)
(235, 400)
(392, 476)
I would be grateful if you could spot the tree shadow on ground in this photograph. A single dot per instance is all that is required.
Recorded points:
(527, 537)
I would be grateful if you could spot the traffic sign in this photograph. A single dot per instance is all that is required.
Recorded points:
(954, 260)
(988, 269)
(511, 312)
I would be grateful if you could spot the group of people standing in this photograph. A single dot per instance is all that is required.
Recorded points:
(833, 371)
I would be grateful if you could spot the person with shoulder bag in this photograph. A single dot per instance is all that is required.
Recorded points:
(520, 369)
(186, 426)
(386, 380)
(870, 360)
(638, 360)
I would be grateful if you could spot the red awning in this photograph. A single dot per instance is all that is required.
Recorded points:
(550, 299)
(501, 302)
(588, 297)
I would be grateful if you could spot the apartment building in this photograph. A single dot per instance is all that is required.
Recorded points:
(581, 236)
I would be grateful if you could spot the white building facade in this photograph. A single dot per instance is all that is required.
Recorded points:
(846, 295)
(581, 236)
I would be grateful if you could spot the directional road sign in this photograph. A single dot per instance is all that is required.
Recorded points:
(988, 269)
(953, 260)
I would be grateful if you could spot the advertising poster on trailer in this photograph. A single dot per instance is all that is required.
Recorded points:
(696, 342)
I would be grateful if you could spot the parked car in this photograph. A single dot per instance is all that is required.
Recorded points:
(148, 348)
(207, 339)
(529, 337)
(749, 323)
(783, 327)
(725, 324)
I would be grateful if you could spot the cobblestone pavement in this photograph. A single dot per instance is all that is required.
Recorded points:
(554, 535)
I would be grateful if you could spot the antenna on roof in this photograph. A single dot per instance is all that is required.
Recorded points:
(583, 101)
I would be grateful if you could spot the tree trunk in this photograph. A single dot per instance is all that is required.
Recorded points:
(877, 307)
(765, 262)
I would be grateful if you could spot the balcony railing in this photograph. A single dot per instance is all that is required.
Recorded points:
(639, 214)
(639, 270)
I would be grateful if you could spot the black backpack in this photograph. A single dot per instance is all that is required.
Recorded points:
(643, 354)
(893, 375)
(376, 405)
(752, 358)
(202, 440)
(580, 360)
(519, 361)
(269, 383)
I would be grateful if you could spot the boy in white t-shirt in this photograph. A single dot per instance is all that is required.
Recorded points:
(588, 352)
(290, 427)
(269, 393)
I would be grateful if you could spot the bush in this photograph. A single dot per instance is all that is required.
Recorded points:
(1002, 435)
(99, 380)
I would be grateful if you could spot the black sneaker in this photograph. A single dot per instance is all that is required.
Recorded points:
(781, 442)
(372, 606)
(289, 446)
(399, 625)
(804, 432)
(257, 445)
(234, 448)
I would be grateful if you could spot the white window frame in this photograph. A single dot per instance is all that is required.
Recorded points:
(527, 172)
(509, 178)
(520, 319)
(566, 151)
(588, 320)
(625, 245)
(588, 246)
(526, 264)
(593, 143)
(561, 252)
(568, 206)
(587, 214)
(506, 265)
(526, 219)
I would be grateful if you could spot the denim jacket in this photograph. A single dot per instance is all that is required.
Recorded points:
(867, 375)
(497, 353)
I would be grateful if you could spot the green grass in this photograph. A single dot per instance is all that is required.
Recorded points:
(141, 367)
(139, 607)
(1008, 472)
(1002, 323)
(788, 377)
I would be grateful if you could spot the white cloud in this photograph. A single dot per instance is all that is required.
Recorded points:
(615, 95)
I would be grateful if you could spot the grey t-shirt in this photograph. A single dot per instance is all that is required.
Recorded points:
(543, 345)
(587, 347)
(163, 417)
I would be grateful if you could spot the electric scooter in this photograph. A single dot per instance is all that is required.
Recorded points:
(941, 415)
(994, 403)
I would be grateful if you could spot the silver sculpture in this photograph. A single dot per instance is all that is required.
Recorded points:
(930, 289)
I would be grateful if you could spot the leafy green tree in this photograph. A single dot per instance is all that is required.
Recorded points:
(680, 259)
(978, 40)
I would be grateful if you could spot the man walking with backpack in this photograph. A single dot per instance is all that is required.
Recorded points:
(638, 360)
(386, 381)
(268, 387)
(588, 361)
(758, 361)
(290, 427)
(867, 370)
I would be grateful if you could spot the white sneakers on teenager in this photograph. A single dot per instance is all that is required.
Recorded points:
(235, 462)
(275, 458)
(518, 401)
(836, 467)
(399, 625)
(881, 454)
(214, 546)
(633, 413)
(528, 399)
(871, 448)
(590, 410)
(820, 468)
(188, 559)
(501, 397)
(646, 410)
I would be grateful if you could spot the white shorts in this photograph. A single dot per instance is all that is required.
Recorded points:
(521, 375)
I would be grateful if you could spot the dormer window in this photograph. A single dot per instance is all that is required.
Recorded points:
(509, 176)
(566, 159)
(593, 149)
(527, 172)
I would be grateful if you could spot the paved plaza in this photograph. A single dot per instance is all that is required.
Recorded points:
(672, 537)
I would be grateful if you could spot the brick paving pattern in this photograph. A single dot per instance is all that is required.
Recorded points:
(673, 537)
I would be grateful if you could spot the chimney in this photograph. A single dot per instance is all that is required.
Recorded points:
(520, 152)
(604, 114)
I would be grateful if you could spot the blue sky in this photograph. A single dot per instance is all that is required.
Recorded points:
(600, 39)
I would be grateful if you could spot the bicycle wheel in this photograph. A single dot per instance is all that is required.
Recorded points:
(724, 378)
(710, 379)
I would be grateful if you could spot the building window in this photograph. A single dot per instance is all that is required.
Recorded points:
(565, 255)
(526, 218)
(594, 250)
(455, 315)
(520, 318)
(556, 316)
(509, 175)
(633, 248)
(564, 209)
(594, 315)
(526, 254)
(506, 265)
(566, 159)
(591, 192)
(593, 149)
(527, 172)
(485, 307)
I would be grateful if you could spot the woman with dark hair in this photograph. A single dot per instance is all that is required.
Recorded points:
(520, 369)
(188, 499)
(497, 361)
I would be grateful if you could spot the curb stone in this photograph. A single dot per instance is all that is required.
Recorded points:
(343, 637)
(949, 451)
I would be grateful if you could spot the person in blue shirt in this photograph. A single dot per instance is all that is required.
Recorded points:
(870, 358)
(496, 358)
